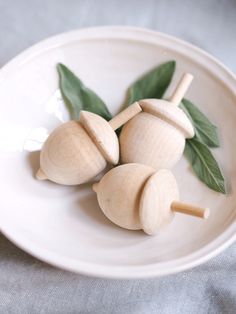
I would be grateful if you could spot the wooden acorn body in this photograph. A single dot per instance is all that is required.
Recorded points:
(136, 196)
(77, 151)
(156, 136)
(119, 193)
(69, 156)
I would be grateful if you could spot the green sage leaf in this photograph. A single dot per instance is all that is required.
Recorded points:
(79, 97)
(153, 84)
(204, 165)
(205, 131)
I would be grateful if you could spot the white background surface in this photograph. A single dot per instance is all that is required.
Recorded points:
(29, 286)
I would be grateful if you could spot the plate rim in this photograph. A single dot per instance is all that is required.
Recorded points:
(224, 240)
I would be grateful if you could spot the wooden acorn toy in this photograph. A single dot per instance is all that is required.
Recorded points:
(136, 196)
(77, 151)
(156, 136)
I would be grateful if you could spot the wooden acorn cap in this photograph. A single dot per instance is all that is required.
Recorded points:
(168, 110)
(102, 132)
(170, 113)
(155, 204)
(159, 201)
(102, 135)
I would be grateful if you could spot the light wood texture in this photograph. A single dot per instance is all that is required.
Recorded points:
(69, 156)
(95, 187)
(181, 88)
(189, 209)
(119, 193)
(149, 140)
(125, 116)
(102, 135)
(134, 196)
(156, 136)
(171, 114)
(158, 194)
(40, 175)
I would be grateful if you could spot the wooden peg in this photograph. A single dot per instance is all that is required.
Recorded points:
(95, 187)
(125, 116)
(189, 209)
(181, 89)
(40, 175)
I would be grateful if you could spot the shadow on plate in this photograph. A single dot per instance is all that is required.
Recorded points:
(88, 204)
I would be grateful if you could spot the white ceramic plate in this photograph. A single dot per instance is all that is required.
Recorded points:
(64, 225)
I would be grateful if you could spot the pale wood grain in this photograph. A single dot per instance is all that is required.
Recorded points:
(181, 88)
(189, 209)
(69, 155)
(40, 175)
(155, 203)
(102, 135)
(125, 116)
(173, 115)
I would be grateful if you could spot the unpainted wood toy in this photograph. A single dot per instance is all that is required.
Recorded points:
(136, 196)
(156, 136)
(77, 151)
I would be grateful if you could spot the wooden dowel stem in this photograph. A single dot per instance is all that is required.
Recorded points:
(125, 116)
(95, 187)
(181, 88)
(40, 175)
(190, 210)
